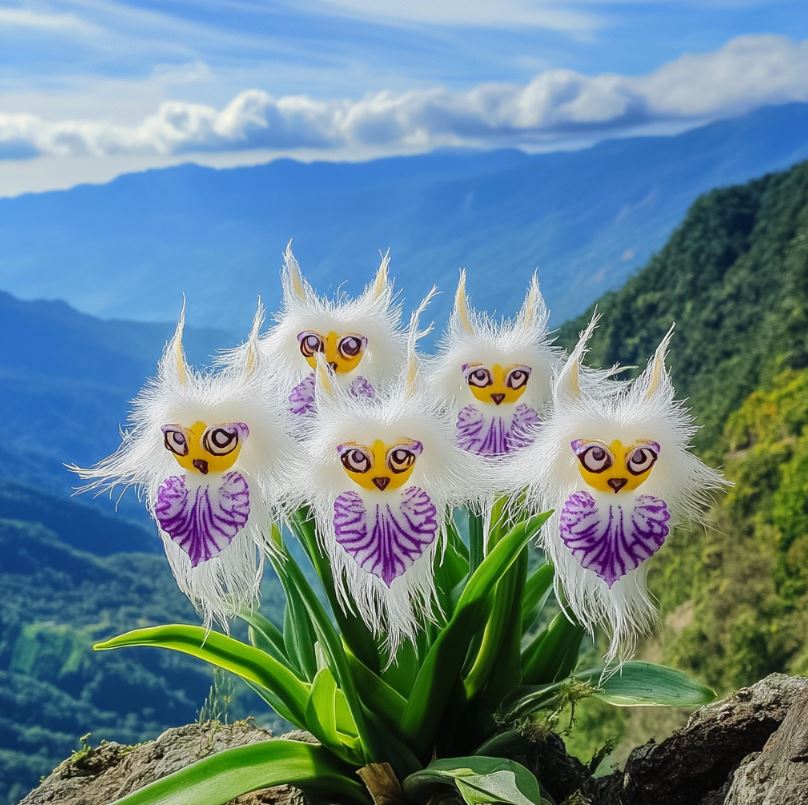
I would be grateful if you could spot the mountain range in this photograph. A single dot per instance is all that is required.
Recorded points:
(587, 219)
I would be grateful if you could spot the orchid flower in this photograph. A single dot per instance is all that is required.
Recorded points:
(615, 467)
(360, 339)
(496, 375)
(210, 455)
(384, 473)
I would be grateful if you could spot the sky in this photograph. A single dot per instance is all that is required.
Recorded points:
(90, 89)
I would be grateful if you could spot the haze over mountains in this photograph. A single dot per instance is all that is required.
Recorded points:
(587, 219)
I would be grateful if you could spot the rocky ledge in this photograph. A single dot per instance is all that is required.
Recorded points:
(748, 749)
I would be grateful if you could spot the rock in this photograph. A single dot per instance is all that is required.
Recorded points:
(694, 765)
(778, 775)
(748, 749)
(100, 776)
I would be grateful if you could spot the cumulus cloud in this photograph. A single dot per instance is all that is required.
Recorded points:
(746, 73)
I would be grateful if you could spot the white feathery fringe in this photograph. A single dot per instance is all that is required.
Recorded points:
(645, 409)
(374, 314)
(473, 336)
(228, 583)
(448, 475)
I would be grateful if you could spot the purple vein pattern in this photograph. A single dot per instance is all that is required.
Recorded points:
(301, 400)
(204, 521)
(611, 539)
(488, 435)
(385, 539)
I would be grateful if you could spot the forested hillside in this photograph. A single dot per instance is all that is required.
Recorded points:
(67, 579)
(734, 277)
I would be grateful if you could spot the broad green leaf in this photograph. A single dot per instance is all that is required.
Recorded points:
(376, 694)
(553, 654)
(321, 717)
(225, 652)
(480, 780)
(538, 587)
(224, 776)
(358, 637)
(646, 684)
(440, 671)
(379, 744)
(500, 648)
(634, 684)
(264, 635)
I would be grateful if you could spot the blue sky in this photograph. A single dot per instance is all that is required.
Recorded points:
(92, 88)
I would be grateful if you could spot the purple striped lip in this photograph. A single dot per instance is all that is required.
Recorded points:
(612, 539)
(301, 399)
(386, 539)
(494, 434)
(205, 520)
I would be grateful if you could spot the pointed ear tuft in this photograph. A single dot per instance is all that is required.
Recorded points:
(413, 336)
(533, 306)
(380, 283)
(568, 382)
(294, 286)
(174, 357)
(251, 347)
(656, 371)
(461, 309)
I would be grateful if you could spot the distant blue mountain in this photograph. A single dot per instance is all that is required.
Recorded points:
(587, 219)
(66, 379)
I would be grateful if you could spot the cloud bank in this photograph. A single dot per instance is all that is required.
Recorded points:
(746, 73)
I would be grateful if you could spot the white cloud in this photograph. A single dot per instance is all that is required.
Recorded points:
(502, 14)
(22, 18)
(556, 105)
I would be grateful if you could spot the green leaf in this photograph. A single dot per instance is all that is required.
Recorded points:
(264, 635)
(322, 718)
(480, 780)
(224, 776)
(646, 684)
(553, 654)
(376, 694)
(245, 661)
(356, 634)
(440, 671)
(538, 587)
(378, 743)
(634, 684)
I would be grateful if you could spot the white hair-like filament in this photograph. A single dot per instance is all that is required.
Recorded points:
(229, 582)
(645, 409)
(473, 336)
(448, 475)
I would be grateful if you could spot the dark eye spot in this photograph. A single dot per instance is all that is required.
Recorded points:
(595, 459)
(220, 441)
(641, 460)
(518, 378)
(479, 377)
(310, 343)
(350, 346)
(401, 459)
(355, 460)
(175, 441)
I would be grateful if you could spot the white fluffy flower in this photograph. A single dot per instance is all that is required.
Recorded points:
(362, 339)
(496, 375)
(210, 455)
(615, 467)
(383, 475)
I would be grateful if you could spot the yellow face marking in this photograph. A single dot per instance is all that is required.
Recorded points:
(496, 384)
(343, 351)
(204, 449)
(614, 467)
(380, 467)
